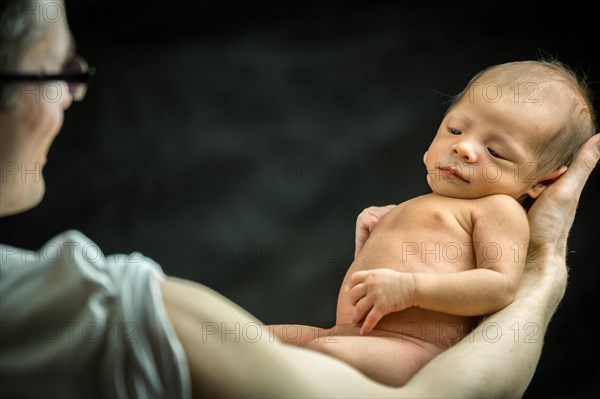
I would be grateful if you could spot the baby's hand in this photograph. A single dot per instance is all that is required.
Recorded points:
(378, 292)
(366, 222)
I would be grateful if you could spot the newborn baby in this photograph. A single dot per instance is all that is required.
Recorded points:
(435, 264)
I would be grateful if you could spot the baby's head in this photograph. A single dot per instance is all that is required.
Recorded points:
(512, 130)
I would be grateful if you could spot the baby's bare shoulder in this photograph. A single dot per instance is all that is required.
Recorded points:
(499, 203)
(500, 209)
(496, 204)
(495, 201)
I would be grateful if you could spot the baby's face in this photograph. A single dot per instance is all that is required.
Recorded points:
(485, 144)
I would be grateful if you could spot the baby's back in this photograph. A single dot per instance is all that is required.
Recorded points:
(427, 234)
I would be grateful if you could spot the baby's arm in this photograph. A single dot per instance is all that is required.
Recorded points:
(499, 242)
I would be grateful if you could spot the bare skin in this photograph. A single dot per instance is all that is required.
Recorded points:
(223, 365)
(438, 262)
(266, 368)
(430, 238)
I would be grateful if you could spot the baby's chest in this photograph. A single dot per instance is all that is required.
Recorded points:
(433, 217)
(439, 236)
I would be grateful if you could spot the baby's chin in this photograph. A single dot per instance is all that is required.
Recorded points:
(432, 186)
(449, 193)
(435, 189)
(430, 183)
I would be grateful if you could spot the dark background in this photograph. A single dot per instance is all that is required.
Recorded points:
(236, 142)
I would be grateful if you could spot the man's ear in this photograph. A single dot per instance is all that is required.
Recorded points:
(546, 180)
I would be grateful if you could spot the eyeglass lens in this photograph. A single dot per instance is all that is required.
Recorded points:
(76, 64)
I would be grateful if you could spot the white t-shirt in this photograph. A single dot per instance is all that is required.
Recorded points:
(74, 323)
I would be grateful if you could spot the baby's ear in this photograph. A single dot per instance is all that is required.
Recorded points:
(545, 181)
(425, 157)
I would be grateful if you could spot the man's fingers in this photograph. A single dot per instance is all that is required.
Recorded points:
(585, 161)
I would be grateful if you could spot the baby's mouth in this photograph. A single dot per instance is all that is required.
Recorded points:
(454, 173)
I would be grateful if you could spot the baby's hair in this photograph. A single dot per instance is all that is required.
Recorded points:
(560, 146)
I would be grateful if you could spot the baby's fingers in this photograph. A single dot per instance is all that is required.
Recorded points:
(371, 321)
(367, 221)
(357, 293)
(357, 278)
(361, 309)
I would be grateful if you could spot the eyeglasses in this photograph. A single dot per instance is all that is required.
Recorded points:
(75, 73)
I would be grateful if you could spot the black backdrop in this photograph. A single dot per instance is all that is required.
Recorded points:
(236, 142)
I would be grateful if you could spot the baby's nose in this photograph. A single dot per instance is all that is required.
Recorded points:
(465, 151)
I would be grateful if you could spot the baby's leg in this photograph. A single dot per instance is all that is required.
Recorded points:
(296, 334)
(389, 360)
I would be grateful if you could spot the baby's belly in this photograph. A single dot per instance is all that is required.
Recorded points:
(441, 329)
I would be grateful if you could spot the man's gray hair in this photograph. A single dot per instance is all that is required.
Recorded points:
(19, 28)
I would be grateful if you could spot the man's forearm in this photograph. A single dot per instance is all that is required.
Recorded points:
(478, 366)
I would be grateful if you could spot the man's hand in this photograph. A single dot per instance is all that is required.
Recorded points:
(378, 292)
(366, 222)
(551, 215)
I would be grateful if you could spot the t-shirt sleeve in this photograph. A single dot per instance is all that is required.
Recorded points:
(77, 323)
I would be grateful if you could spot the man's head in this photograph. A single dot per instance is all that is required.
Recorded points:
(34, 40)
(512, 130)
